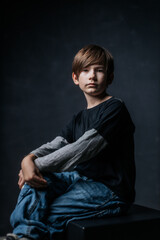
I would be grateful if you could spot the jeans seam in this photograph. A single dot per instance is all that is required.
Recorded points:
(30, 211)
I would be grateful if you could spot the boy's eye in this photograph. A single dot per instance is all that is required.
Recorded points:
(96, 70)
(100, 70)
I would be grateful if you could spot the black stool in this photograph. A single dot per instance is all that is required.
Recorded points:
(139, 224)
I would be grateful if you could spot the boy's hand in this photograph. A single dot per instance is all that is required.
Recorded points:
(31, 174)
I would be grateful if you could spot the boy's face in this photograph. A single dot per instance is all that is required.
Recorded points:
(92, 80)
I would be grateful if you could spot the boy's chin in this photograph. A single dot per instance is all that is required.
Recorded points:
(96, 94)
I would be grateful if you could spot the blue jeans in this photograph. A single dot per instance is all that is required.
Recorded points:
(69, 196)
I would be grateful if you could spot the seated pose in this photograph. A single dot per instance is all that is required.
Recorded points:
(88, 170)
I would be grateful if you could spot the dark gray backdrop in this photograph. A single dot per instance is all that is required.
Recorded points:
(37, 93)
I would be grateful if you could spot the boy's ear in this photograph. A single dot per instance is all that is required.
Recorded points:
(75, 78)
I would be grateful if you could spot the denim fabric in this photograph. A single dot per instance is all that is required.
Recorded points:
(69, 196)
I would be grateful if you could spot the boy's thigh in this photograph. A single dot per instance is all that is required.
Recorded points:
(58, 183)
(86, 198)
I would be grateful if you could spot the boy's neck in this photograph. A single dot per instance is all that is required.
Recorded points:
(93, 101)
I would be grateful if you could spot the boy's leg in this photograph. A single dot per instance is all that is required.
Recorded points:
(29, 212)
(29, 217)
(84, 199)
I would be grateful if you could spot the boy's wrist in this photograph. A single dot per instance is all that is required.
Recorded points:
(30, 157)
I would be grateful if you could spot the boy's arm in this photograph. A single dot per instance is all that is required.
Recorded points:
(29, 172)
(66, 158)
(50, 147)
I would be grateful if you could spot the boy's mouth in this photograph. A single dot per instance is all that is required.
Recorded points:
(91, 85)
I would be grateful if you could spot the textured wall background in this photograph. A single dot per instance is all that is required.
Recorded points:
(38, 97)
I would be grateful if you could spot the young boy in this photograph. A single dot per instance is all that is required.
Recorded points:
(88, 170)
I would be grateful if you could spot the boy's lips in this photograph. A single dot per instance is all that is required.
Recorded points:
(91, 84)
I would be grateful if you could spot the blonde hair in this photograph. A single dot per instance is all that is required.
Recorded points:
(93, 54)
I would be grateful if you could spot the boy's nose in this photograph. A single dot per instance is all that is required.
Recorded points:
(92, 75)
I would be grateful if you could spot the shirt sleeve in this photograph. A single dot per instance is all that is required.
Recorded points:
(69, 156)
(50, 147)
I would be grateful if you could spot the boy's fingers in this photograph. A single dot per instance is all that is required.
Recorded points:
(40, 180)
(37, 186)
(37, 181)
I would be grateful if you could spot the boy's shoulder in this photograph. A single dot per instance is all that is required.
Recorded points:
(111, 103)
(114, 104)
(114, 100)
